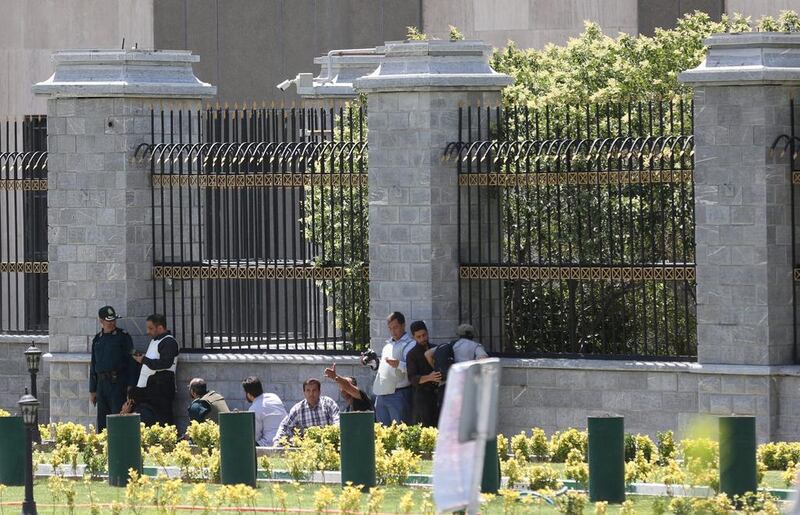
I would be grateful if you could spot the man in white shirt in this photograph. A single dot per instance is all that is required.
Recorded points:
(268, 409)
(391, 387)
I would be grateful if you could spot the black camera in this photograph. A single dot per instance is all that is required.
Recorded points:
(369, 358)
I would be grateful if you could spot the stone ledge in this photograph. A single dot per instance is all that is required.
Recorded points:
(24, 339)
(539, 363)
(650, 366)
(230, 359)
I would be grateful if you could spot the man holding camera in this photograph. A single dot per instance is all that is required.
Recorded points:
(391, 387)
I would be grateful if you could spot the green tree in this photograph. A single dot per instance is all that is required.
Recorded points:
(591, 72)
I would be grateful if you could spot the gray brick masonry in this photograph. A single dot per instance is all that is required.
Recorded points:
(14, 377)
(413, 233)
(99, 207)
(742, 202)
(547, 393)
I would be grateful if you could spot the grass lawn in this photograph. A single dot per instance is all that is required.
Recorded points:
(772, 478)
(298, 496)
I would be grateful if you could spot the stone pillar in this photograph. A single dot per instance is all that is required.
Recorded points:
(743, 198)
(99, 199)
(413, 100)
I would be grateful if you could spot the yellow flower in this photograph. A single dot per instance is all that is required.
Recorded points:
(323, 499)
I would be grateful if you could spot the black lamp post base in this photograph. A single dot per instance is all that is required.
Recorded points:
(29, 508)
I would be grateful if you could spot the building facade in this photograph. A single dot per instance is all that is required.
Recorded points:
(248, 47)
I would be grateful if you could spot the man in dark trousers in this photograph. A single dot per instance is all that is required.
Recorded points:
(138, 403)
(158, 368)
(424, 380)
(110, 366)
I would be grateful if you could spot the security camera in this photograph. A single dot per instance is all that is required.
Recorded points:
(283, 86)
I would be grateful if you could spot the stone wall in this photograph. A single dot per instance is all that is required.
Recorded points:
(548, 393)
(14, 377)
(652, 396)
(282, 374)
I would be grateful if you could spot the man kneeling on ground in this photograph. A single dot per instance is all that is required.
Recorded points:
(268, 409)
(357, 400)
(314, 410)
(205, 405)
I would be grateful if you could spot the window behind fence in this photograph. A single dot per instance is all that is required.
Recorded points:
(259, 222)
(23, 226)
(577, 229)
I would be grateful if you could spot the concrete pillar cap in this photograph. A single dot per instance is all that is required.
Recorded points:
(124, 73)
(748, 59)
(434, 65)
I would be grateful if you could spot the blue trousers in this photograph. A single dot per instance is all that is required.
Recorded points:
(395, 407)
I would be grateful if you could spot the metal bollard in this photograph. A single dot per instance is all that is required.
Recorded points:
(737, 455)
(124, 447)
(490, 483)
(237, 441)
(607, 459)
(358, 448)
(12, 451)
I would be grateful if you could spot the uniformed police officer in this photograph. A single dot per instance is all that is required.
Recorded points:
(109, 373)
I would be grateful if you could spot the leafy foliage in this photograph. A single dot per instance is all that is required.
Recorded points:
(561, 443)
(595, 67)
(779, 455)
(204, 435)
(541, 477)
(639, 442)
(335, 222)
(166, 436)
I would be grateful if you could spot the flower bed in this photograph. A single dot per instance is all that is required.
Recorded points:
(530, 462)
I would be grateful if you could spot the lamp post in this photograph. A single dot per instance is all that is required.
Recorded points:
(29, 407)
(33, 357)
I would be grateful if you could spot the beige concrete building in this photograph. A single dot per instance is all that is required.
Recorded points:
(34, 29)
(248, 46)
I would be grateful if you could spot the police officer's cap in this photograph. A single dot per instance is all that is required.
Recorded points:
(108, 314)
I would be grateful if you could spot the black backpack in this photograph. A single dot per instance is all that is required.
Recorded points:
(443, 358)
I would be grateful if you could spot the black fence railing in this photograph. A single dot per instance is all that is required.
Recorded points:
(260, 229)
(786, 146)
(23, 226)
(577, 229)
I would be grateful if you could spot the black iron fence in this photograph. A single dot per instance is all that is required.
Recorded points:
(259, 227)
(577, 229)
(786, 146)
(23, 226)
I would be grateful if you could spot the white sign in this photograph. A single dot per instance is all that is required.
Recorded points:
(458, 462)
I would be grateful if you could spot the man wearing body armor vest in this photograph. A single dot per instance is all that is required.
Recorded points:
(158, 368)
(205, 405)
(109, 371)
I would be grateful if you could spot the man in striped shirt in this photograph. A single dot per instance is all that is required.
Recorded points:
(314, 410)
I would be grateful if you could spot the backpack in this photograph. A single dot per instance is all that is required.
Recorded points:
(443, 358)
